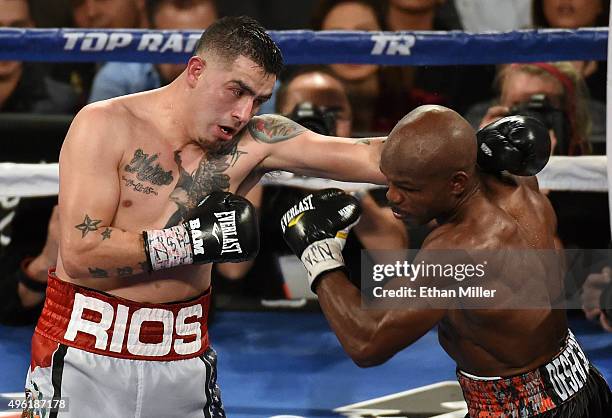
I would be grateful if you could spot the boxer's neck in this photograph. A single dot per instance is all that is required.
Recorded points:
(463, 206)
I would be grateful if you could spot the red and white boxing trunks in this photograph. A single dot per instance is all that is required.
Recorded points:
(94, 354)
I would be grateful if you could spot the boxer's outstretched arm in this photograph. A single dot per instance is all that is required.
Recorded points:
(291, 147)
(89, 197)
(370, 336)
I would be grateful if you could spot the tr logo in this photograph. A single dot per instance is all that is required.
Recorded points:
(392, 44)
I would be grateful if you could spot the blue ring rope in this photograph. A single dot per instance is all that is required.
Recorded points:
(310, 47)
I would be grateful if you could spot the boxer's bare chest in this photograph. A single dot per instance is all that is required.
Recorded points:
(159, 184)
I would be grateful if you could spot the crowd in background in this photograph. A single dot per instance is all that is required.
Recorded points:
(343, 99)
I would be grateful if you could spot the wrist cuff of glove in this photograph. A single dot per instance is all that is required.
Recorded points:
(320, 257)
(166, 248)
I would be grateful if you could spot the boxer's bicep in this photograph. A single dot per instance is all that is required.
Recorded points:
(89, 195)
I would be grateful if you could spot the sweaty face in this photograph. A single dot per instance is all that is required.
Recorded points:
(107, 14)
(198, 17)
(352, 16)
(227, 96)
(571, 14)
(14, 14)
(416, 197)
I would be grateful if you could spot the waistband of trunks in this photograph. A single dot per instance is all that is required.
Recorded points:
(533, 392)
(101, 323)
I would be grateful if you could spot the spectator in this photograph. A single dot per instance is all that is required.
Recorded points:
(25, 88)
(564, 89)
(108, 14)
(414, 15)
(102, 14)
(315, 97)
(456, 86)
(574, 14)
(117, 78)
(379, 95)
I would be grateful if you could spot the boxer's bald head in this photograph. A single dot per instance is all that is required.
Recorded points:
(432, 140)
(429, 159)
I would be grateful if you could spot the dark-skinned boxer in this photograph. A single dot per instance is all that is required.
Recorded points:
(510, 363)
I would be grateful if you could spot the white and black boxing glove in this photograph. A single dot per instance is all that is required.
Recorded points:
(316, 229)
(222, 228)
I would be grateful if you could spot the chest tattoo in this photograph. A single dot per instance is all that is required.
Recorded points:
(210, 176)
(147, 170)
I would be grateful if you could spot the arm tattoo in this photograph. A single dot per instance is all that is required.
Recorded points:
(124, 271)
(273, 128)
(98, 273)
(106, 234)
(88, 225)
(142, 165)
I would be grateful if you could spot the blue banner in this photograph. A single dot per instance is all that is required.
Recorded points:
(309, 47)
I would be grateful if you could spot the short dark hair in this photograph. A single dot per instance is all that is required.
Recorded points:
(233, 36)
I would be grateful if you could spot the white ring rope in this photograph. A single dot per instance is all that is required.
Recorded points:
(585, 173)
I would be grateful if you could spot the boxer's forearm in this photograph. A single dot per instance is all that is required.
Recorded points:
(365, 166)
(371, 336)
(355, 328)
(105, 252)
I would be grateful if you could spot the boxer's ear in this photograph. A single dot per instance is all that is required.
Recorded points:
(195, 68)
(458, 182)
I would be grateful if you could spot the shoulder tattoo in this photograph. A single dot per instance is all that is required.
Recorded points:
(273, 128)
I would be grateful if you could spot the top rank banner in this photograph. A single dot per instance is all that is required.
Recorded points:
(310, 47)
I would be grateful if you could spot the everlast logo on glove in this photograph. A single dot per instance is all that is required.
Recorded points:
(304, 205)
(227, 222)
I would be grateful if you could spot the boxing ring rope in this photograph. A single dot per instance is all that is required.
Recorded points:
(585, 173)
(308, 47)
(588, 173)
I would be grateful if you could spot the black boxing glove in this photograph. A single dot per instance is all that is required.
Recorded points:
(316, 229)
(222, 228)
(518, 144)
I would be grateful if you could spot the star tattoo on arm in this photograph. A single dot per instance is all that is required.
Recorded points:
(106, 234)
(88, 225)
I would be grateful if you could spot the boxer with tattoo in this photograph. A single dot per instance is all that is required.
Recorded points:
(150, 196)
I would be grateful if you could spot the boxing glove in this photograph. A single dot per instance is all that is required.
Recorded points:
(316, 229)
(518, 144)
(222, 228)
